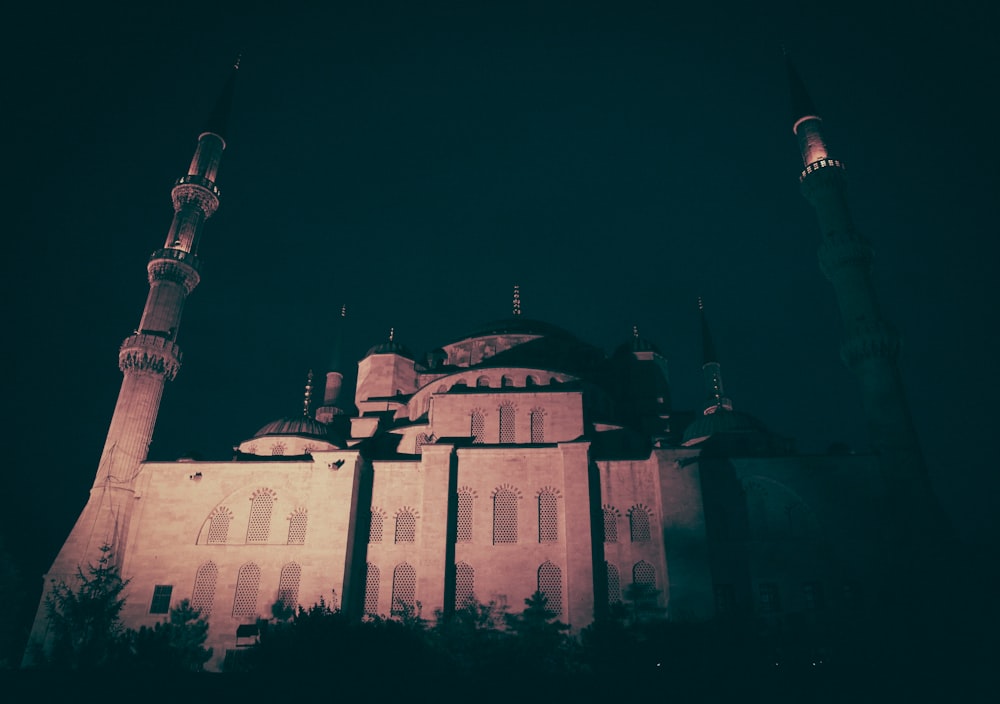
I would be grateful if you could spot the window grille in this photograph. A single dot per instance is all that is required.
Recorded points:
(406, 527)
(537, 426)
(610, 525)
(614, 584)
(548, 518)
(639, 524)
(465, 582)
(247, 586)
(643, 573)
(288, 584)
(278, 448)
(504, 517)
(404, 588)
(464, 517)
(204, 588)
(375, 527)
(507, 424)
(478, 428)
(371, 589)
(420, 442)
(770, 599)
(260, 517)
(218, 528)
(550, 584)
(297, 528)
(161, 599)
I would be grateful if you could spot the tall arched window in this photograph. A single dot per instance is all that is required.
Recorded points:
(550, 584)
(504, 517)
(507, 413)
(614, 584)
(406, 527)
(638, 524)
(371, 589)
(610, 525)
(288, 585)
(218, 527)
(643, 573)
(404, 589)
(548, 518)
(375, 526)
(464, 534)
(203, 595)
(537, 419)
(261, 505)
(297, 527)
(478, 429)
(465, 585)
(247, 586)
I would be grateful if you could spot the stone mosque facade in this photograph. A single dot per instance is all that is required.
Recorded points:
(515, 458)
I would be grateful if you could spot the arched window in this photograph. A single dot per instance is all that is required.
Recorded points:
(506, 381)
(478, 428)
(507, 423)
(548, 518)
(371, 589)
(261, 505)
(614, 584)
(406, 527)
(204, 588)
(288, 585)
(247, 586)
(297, 527)
(464, 517)
(550, 584)
(404, 589)
(375, 526)
(610, 525)
(530, 381)
(218, 527)
(504, 517)
(638, 524)
(465, 584)
(537, 418)
(643, 573)
(483, 382)
(278, 448)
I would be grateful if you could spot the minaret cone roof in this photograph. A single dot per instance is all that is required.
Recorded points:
(218, 122)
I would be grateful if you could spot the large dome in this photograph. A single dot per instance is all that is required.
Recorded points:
(301, 426)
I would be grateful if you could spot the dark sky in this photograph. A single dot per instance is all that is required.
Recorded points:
(415, 160)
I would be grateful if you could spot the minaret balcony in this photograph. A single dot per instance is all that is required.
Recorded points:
(821, 164)
(178, 255)
(199, 181)
(150, 352)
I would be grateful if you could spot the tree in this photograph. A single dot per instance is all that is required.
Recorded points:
(86, 622)
(174, 646)
(540, 637)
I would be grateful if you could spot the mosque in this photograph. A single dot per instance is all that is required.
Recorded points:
(512, 458)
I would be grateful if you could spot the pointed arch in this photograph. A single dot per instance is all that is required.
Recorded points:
(288, 585)
(371, 589)
(465, 585)
(505, 515)
(466, 501)
(404, 589)
(261, 507)
(218, 525)
(297, 524)
(203, 594)
(508, 423)
(638, 519)
(247, 588)
(550, 584)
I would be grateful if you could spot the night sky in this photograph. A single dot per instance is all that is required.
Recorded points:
(616, 160)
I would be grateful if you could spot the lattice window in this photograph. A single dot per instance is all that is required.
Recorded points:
(218, 527)
(465, 502)
(377, 519)
(548, 518)
(371, 589)
(770, 598)
(247, 586)
(638, 520)
(421, 440)
(478, 428)
(504, 517)
(297, 527)
(406, 527)
(550, 584)
(261, 505)
(161, 599)
(404, 589)
(465, 585)
(614, 584)
(643, 573)
(610, 525)
(507, 415)
(278, 448)
(288, 584)
(537, 419)
(204, 588)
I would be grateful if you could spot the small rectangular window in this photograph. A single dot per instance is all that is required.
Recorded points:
(161, 599)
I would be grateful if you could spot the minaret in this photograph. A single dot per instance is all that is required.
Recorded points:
(148, 358)
(335, 375)
(712, 369)
(871, 345)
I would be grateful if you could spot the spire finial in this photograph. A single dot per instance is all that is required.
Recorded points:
(343, 310)
(307, 401)
(392, 334)
(635, 332)
(236, 64)
(517, 300)
(701, 304)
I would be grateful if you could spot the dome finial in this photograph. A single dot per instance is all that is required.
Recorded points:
(343, 310)
(517, 300)
(635, 332)
(392, 334)
(307, 401)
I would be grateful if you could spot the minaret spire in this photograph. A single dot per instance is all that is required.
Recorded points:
(334, 374)
(307, 397)
(517, 300)
(711, 368)
(870, 345)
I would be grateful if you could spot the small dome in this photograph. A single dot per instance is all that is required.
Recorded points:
(721, 421)
(297, 425)
(390, 347)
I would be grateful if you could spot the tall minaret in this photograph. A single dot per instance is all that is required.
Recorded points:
(712, 369)
(149, 357)
(870, 345)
